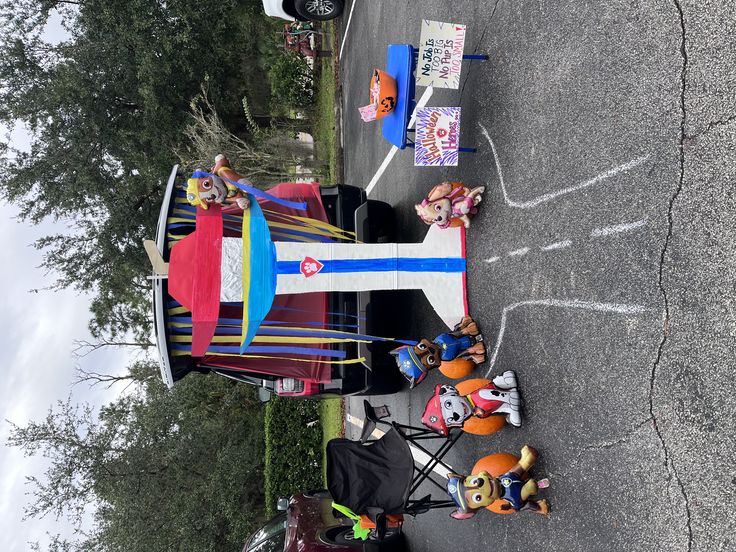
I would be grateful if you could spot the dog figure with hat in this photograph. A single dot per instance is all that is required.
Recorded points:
(473, 404)
(464, 343)
(499, 482)
(209, 189)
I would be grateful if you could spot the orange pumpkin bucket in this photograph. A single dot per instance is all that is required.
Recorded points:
(457, 369)
(383, 93)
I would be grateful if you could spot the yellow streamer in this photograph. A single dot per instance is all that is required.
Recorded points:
(303, 229)
(291, 237)
(178, 310)
(312, 222)
(184, 212)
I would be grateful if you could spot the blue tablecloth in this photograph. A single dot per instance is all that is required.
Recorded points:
(401, 66)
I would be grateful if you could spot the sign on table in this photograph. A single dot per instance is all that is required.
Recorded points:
(437, 136)
(440, 54)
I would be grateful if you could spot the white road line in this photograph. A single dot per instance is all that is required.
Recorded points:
(347, 27)
(379, 173)
(557, 245)
(381, 170)
(420, 457)
(518, 252)
(615, 308)
(617, 228)
(420, 104)
(564, 191)
(492, 259)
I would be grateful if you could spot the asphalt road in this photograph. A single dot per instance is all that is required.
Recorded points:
(606, 238)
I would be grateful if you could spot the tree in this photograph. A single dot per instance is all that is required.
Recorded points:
(167, 470)
(291, 82)
(140, 371)
(107, 107)
(268, 156)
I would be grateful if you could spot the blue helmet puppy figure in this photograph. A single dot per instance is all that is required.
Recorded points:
(510, 492)
(465, 341)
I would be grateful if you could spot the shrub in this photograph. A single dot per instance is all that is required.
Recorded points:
(291, 83)
(293, 434)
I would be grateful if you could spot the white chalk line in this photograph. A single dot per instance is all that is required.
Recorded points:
(617, 228)
(379, 173)
(420, 457)
(518, 252)
(564, 191)
(492, 259)
(615, 308)
(557, 245)
(347, 27)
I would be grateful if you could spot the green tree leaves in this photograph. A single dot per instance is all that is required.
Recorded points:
(107, 107)
(168, 470)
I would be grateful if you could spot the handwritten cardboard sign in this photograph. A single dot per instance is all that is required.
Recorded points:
(440, 54)
(437, 137)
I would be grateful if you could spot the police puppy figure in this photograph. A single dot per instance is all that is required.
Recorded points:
(465, 341)
(513, 489)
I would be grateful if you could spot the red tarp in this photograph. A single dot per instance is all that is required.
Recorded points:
(310, 307)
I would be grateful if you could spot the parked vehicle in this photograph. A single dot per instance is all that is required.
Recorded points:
(308, 524)
(304, 10)
(372, 313)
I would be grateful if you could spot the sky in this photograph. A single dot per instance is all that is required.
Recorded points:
(37, 335)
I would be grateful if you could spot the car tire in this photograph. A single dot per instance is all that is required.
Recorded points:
(322, 494)
(319, 10)
(344, 536)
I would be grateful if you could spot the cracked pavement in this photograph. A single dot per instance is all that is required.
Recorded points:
(629, 408)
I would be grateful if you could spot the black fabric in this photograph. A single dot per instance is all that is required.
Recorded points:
(375, 475)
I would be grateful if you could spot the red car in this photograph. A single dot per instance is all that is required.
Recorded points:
(309, 525)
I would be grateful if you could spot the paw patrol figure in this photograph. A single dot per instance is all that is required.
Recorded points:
(447, 408)
(513, 489)
(213, 189)
(465, 341)
(450, 204)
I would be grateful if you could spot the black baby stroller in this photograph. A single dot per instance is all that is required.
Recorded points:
(373, 481)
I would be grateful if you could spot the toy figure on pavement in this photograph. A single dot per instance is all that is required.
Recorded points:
(447, 408)
(211, 189)
(450, 204)
(465, 342)
(509, 492)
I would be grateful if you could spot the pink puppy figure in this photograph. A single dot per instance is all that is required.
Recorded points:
(450, 204)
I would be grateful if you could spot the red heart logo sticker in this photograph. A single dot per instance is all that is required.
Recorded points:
(310, 267)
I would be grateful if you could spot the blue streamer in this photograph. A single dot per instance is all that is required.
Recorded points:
(389, 264)
(308, 351)
(296, 332)
(300, 205)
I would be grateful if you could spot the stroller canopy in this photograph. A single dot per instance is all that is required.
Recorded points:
(374, 476)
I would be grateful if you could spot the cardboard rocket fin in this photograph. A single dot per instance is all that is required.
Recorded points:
(445, 291)
(160, 267)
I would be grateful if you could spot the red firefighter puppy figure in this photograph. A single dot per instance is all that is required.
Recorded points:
(211, 189)
(465, 342)
(506, 493)
(447, 408)
(450, 204)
